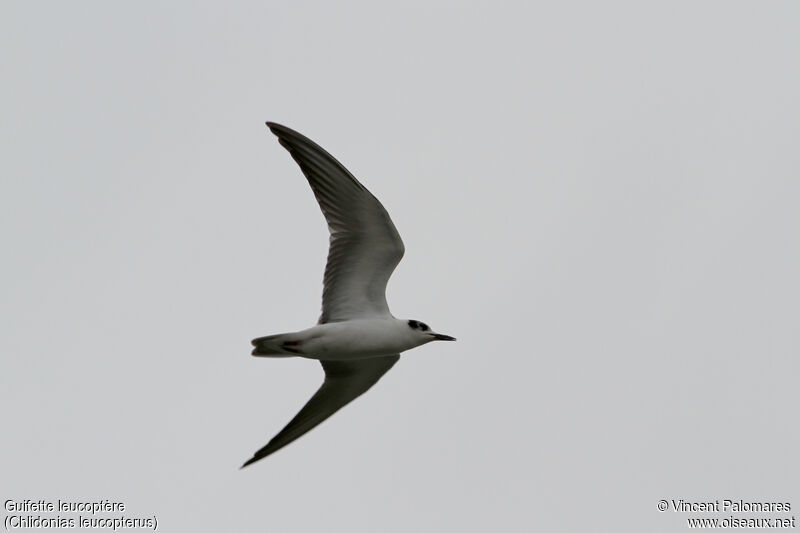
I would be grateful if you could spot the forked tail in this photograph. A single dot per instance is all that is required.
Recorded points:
(280, 345)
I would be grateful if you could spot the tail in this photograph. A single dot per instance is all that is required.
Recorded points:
(280, 345)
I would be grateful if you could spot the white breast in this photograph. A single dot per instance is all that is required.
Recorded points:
(356, 339)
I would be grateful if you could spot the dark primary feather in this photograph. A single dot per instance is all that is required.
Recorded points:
(365, 247)
(344, 382)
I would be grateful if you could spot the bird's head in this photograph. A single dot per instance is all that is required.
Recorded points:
(422, 330)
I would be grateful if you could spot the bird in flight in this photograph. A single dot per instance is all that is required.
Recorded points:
(357, 340)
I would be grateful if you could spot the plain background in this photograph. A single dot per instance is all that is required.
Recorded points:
(599, 199)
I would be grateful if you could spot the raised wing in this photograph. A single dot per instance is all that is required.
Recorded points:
(344, 382)
(364, 248)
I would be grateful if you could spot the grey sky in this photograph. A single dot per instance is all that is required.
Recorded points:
(600, 200)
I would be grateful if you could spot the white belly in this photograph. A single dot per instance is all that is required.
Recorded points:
(355, 339)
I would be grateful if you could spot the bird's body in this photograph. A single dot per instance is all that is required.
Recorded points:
(357, 340)
(343, 341)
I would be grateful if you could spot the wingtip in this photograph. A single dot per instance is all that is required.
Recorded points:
(281, 131)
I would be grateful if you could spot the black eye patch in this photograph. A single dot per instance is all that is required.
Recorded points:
(424, 326)
(413, 324)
